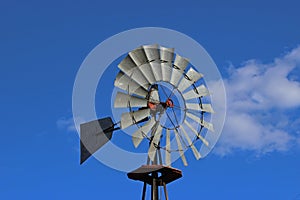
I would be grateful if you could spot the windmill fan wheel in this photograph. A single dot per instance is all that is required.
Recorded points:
(166, 99)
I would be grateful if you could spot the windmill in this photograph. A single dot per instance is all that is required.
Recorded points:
(168, 103)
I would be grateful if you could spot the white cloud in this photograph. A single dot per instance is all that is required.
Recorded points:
(66, 124)
(259, 96)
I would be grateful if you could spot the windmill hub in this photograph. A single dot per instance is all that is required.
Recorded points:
(165, 103)
(169, 103)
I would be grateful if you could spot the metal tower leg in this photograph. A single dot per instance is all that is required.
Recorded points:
(144, 191)
(165, 191)
(154, 187)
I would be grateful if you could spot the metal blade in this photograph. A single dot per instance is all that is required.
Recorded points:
(123, 82)
(192, 94)
(166, 72)
(168, 145)
(195, 151)
(176, 76)
(140, 59)
(195, 106)
(155, 141)
(126, 65)
(139, 135)
(135, 74)
(130, 118)
(207, 125)
(153, 58)
(138, 56)
(152, 52)
(166, 54)
(139, 77)
(196, 133)
(191, 77)
(181, 152)
(180, 62)
(146, 69)
(123, 100)
(157, 70)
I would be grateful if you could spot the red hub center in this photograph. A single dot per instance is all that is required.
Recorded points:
(153, 106)
(169, 103)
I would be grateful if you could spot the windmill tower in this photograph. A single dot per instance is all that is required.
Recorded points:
(167, 102)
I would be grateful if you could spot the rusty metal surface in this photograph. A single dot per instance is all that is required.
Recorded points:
(167, 174)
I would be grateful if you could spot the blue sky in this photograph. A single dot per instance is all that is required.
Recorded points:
(254, 44)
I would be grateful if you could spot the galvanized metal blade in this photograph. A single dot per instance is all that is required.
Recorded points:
(195, 151)
(152, 52)
(166, 54)
(166, 69)
(130, 118)
(192, 94)
(124, 82)
(180, 62)
(191, 77)
(138, 56)
(140, 134)
(196, 133)
(168, 148)
(139, 77)
(197, 107)
(131, 70)
(127, 65)
(207, 125)
(154, 143)
(146, 69)
(180, 149)
(123, 100)
(157, 70)
(176, 76)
